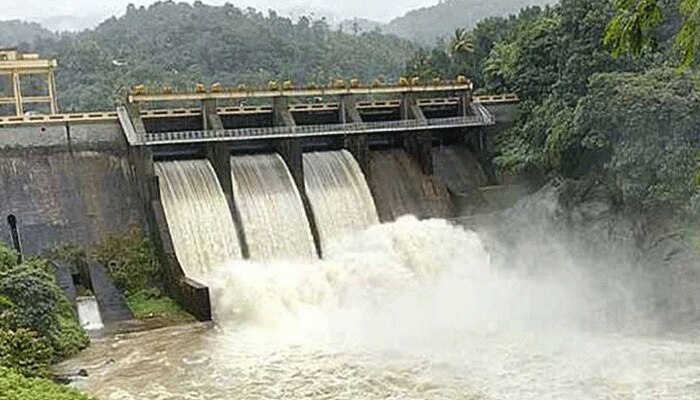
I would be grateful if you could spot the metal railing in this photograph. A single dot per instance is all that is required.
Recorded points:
(481, 117)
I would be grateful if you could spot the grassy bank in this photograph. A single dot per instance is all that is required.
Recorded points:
(163, 308)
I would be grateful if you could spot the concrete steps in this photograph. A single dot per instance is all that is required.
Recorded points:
(65, 281)
(113, 307)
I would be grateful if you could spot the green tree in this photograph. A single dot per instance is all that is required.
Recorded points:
(463, 42)
(634, 29)
(648, 145)
(179, 45)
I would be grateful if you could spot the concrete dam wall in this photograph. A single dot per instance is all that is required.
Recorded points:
(79, 182)
(400, 188)
(66, 184)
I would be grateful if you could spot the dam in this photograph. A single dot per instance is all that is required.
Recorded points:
(312, 225)
(219, 174)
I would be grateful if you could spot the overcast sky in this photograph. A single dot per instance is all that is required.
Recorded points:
(381, 10)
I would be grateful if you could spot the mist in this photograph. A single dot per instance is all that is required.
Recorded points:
(429, 310)
(546, 317)
(82, 14)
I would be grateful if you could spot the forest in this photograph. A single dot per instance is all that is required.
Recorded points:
(180, 44)
(630, 119)
(426, 25)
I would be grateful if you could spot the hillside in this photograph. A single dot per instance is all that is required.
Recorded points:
(14, 33)
(426, 25)
(180, 44)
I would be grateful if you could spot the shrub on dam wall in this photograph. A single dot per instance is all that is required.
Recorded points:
(134, 266)
(137, 272)
(37, 322)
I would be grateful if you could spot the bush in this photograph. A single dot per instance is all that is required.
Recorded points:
(137, 267)
(8, 257)
(36, 296)
(26, 352)
(14, 386)
(39, 306)
(70, 338)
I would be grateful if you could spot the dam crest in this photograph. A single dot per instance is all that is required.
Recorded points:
(214, 179)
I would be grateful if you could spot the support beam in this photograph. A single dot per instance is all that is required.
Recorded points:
(289, 149)
(51, 81)
(219, 156)
(292, 154)
(210, 118)
(17, 90)
(134, 112)
(358, 145)
(464, 103)
(418, 145)
(281, 115)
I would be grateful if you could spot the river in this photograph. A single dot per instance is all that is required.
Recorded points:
(409, 310)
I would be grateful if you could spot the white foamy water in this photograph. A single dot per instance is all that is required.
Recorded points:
(409, 310)
(89, 314)
(198, 216)
(340, 198)
(272, 213)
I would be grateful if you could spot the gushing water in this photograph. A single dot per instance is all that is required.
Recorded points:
(340, 198)
(409, 310)
(89, 314)
(198, 216)
(271, 209)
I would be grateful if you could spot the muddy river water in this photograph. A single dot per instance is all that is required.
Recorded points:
(411, 310)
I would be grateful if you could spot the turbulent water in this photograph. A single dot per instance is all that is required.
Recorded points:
(408, 310)
(340, 198)
(271, 209)
(198, 216)
(89, 314)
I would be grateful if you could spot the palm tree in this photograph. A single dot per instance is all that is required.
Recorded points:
(462, 42)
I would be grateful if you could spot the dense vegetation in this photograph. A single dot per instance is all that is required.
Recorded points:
(635, 27)
(135, 269)
(180, 44)
(426, 25)
(38, 324)
(14, 386)
(631, 121)
(14, 33)
(37, 327)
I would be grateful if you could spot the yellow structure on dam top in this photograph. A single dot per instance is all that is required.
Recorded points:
(14, 66)
(275, 89)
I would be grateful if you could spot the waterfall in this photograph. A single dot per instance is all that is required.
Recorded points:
(89, 314)
(198, 216)
(340, 198)
(271, 209)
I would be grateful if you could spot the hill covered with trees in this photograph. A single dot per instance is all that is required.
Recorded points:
(15, 33)
(631, 121)
(181, 44)
(430, 24)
